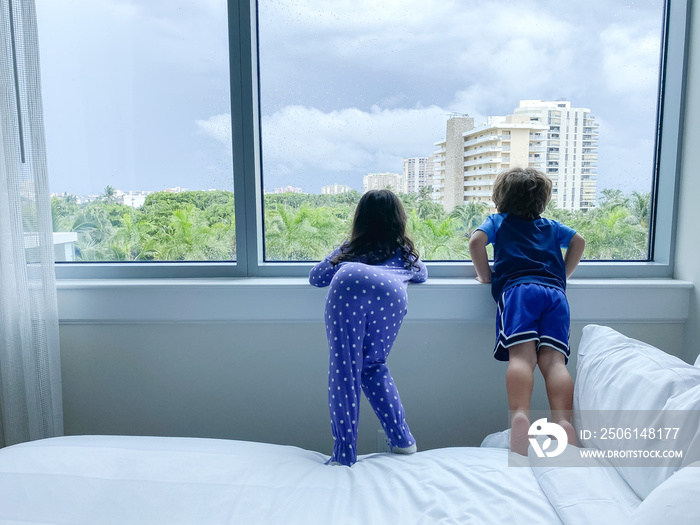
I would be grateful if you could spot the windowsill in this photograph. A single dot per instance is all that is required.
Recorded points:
(294, 300)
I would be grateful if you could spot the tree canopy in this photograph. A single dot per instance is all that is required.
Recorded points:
(200, 225)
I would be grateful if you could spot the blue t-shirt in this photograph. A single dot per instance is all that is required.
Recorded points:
(526, 251)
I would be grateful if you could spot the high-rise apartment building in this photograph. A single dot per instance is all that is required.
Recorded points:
(503, 143)
(552, 137)
(380, 181)
(572, 150)
(417, 173)
(449, 160)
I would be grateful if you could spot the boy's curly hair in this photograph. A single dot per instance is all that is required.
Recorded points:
(522, 191)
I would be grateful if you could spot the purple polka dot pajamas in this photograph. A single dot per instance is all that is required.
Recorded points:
(364, 310)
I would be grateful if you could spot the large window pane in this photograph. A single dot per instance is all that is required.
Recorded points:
(433, 99)
(137, 113)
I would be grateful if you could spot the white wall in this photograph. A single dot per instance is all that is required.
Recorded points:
(688, 238)
(150, 361)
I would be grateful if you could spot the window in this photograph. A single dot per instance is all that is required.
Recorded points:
(137, 116)
(341, 96)
(347, 93)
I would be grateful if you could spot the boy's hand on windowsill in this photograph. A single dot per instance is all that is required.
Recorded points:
(482, 280)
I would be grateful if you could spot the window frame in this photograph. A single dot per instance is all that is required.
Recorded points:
(247, 151)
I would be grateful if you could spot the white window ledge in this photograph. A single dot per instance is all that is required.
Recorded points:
(294, 300)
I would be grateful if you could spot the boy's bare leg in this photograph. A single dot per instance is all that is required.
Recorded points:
(560, 388)
(519, 382)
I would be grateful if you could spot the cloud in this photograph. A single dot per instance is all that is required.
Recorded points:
(308, 147)
(217, 127)
(630, 64)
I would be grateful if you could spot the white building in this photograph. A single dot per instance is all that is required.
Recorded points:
(335, 189)
(380, 181)
(572, 150)
(448, 162)
(417, 173)
(135, 199)
(552, 137)
(287, 189)
(502, 143)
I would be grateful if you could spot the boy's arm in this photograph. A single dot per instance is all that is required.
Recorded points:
(574, 253)
(477, 250)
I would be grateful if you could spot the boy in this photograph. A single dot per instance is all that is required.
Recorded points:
(528, 284)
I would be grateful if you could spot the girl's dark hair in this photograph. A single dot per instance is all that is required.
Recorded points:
(522, 191)
(378, 230)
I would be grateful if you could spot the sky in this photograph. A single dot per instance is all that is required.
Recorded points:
(136, 93)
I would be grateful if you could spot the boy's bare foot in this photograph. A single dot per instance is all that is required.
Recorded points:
(570, 432)
(519, 428)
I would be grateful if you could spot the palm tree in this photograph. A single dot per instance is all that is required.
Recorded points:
(437, 239)
(640, 206)
(132, 240)
(612, 198)
(428, 209)
(425, 193)
(470, 215)
(94, 231)
(110, 195)
(185, 238)
(303, 234)
(614, 234)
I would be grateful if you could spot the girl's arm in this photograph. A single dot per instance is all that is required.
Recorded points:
(477, 250)
(321, 274)
(420, 275)
(574, 253)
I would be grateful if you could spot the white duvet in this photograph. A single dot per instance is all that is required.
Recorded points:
(116, 479)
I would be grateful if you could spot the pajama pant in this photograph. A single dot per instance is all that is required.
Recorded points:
(364, 310)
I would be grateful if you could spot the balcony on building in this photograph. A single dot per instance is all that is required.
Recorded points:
(478, 183)
(492, 137)
(477, 162)
(484, 149)
(484, 171)
(477, 193)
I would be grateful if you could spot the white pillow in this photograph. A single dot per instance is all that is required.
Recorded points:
(591, 493)
(615, 372)
(497, 440)
(676, 501)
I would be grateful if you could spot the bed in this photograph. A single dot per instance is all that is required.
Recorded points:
(129, 479)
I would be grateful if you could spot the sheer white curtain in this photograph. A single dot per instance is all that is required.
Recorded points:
(30, 373)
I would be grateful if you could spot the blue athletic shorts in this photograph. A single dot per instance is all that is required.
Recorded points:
(532, 312)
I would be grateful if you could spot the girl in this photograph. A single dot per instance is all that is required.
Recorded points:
(366, 303)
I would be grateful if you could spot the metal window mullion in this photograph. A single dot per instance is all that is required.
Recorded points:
(245, 135)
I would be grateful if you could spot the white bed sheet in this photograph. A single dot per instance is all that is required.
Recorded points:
(119, 479)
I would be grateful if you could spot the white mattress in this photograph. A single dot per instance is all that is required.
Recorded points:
(117, 479)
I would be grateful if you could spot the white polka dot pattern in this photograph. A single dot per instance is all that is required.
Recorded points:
(365, 307)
